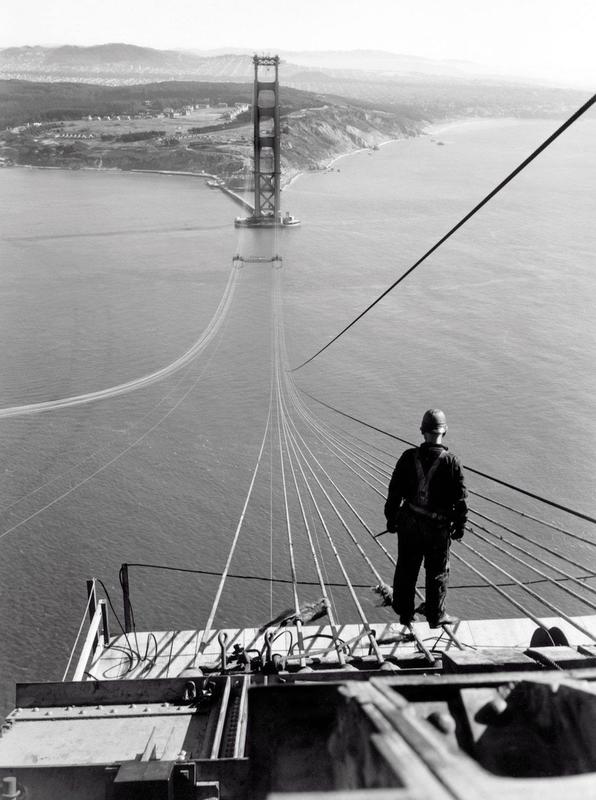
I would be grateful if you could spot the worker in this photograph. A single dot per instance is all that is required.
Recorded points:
(426, 507)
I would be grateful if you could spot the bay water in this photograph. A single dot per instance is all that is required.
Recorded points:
(106, 277)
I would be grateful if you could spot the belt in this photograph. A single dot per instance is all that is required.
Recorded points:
(426, 513)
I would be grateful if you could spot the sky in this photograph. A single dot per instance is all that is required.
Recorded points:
(550, 39)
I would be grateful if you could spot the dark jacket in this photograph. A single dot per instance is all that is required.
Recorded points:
(446, 492)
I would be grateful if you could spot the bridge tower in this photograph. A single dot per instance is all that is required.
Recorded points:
(266, 142)
(266, 138)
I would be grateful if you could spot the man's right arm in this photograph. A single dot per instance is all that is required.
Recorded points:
(395, 495)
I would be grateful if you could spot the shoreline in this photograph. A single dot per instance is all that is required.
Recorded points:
(457, 123)
(337, 158)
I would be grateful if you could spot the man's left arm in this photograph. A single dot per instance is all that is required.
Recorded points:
(460, 506)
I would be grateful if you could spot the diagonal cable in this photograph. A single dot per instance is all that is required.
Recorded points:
(456, 227)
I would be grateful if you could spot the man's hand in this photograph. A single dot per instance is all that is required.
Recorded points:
(457, 534)
(391, 526)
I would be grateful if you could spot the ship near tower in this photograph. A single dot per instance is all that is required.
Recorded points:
(266, 141)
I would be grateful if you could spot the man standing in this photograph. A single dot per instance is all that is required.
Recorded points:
(426, 506)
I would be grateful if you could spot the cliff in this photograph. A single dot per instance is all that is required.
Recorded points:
(311, 138)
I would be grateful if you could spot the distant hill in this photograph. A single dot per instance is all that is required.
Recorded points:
(29, 101)
(126, 63)
(422, 87)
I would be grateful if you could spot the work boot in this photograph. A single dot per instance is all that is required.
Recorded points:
(444, 619)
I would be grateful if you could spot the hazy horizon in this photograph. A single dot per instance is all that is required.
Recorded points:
(549, 40)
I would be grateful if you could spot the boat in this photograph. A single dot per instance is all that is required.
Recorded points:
(288, 220)
(267, 221)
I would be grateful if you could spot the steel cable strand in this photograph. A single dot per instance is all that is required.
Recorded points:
(338, 449)
(202, 640)
(501, 548)
(105, 448)
(528, 539)
(456, 227)
(98, 450)
(529, 591)
(278, 304)
(492, 585)
(535, 519)
(342, 494)
(368, 458)
(355, 419)
(472, 492)
(344, 447)
(278, 312)
(328, 599)
(329, 431)
(580, 581)
(290, 390)
(138, 383)
(379, 544)
(279, 410)
(324, 436)
(344, 524)
(330, 606)
(474, 471)
(417, 591)
(317, 427)
(475, 493)
(332, 611)
(122, 453)
(367, 629)
(547, 579)
(297, 400)
(350, 506)
(497, 588)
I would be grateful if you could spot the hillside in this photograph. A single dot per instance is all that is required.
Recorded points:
(137, 127)
(115, 116)
(26, 101)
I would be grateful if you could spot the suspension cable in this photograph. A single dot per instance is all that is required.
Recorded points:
(456, 227)
(532, 593)
(525, 492)
(528, 539)
(367, 629)
(549, 578)
(544, 522)
(293, 459)
(280, 422)
(201, 643)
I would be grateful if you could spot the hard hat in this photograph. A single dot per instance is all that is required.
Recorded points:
(433, 421)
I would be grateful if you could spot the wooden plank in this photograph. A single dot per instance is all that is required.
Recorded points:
(242, 720)
(223, 709)
(84, 693)
(482, 660)
(565, 657)
(91, 641)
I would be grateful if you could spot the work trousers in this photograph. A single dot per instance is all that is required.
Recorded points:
(418, 539)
